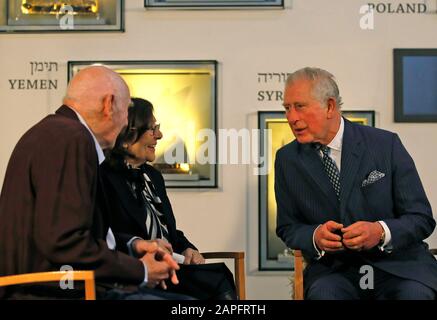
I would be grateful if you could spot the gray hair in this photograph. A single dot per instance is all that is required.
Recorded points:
(324, 85)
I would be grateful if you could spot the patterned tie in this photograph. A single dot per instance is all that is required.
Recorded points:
(331, 169)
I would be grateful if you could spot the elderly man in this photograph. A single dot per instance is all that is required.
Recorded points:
(53, 210)
(350, 196)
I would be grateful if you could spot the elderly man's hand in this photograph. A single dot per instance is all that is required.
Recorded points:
(193, 257)
(362, 235)
(160, 265)
(326, 239)
(141, 247)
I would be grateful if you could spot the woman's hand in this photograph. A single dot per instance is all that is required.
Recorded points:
(193, 257)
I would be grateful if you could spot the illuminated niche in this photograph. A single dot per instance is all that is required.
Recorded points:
(65, 15)
(183, 94)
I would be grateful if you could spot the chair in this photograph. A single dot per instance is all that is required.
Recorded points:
(298, 273)
(87, 276)
(239, 272)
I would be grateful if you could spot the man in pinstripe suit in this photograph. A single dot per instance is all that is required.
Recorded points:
(350, 197)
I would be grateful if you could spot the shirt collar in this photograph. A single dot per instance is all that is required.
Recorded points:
(99, 150)
(337, 142)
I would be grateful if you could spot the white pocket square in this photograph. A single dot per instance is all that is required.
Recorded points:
(374, 176)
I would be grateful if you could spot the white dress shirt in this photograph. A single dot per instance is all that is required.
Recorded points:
(110, 238)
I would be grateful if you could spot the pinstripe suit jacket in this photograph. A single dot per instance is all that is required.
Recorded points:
(305, 198)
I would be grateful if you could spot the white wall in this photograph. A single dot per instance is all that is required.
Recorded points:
(307, 33)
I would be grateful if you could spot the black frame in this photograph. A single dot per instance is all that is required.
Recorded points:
(358, 115)
(264, 263)
(399, 108)
(214, 4)
(51, 29)
(214, 63)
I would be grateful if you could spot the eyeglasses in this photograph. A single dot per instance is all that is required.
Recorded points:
(133, 133)
(155, 128)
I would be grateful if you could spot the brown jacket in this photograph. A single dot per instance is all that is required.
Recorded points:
(52, 205)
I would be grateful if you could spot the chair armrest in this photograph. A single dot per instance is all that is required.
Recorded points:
(87, 276)
(223, 255)
(239, 271)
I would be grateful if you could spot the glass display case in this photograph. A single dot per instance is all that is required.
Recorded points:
(183, 94)
(273, 254)
(65, 15)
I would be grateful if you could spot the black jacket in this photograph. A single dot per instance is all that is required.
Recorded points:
(128, 216)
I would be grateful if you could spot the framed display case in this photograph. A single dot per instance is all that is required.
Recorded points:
(183, 94)
(213, 4)
(273, 253)
(415, 83)
(61, 16)
(364, 117)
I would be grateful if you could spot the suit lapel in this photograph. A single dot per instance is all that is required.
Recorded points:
(351, 155)
(314, 167)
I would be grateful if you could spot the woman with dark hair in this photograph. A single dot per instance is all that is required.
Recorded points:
(141, 210)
